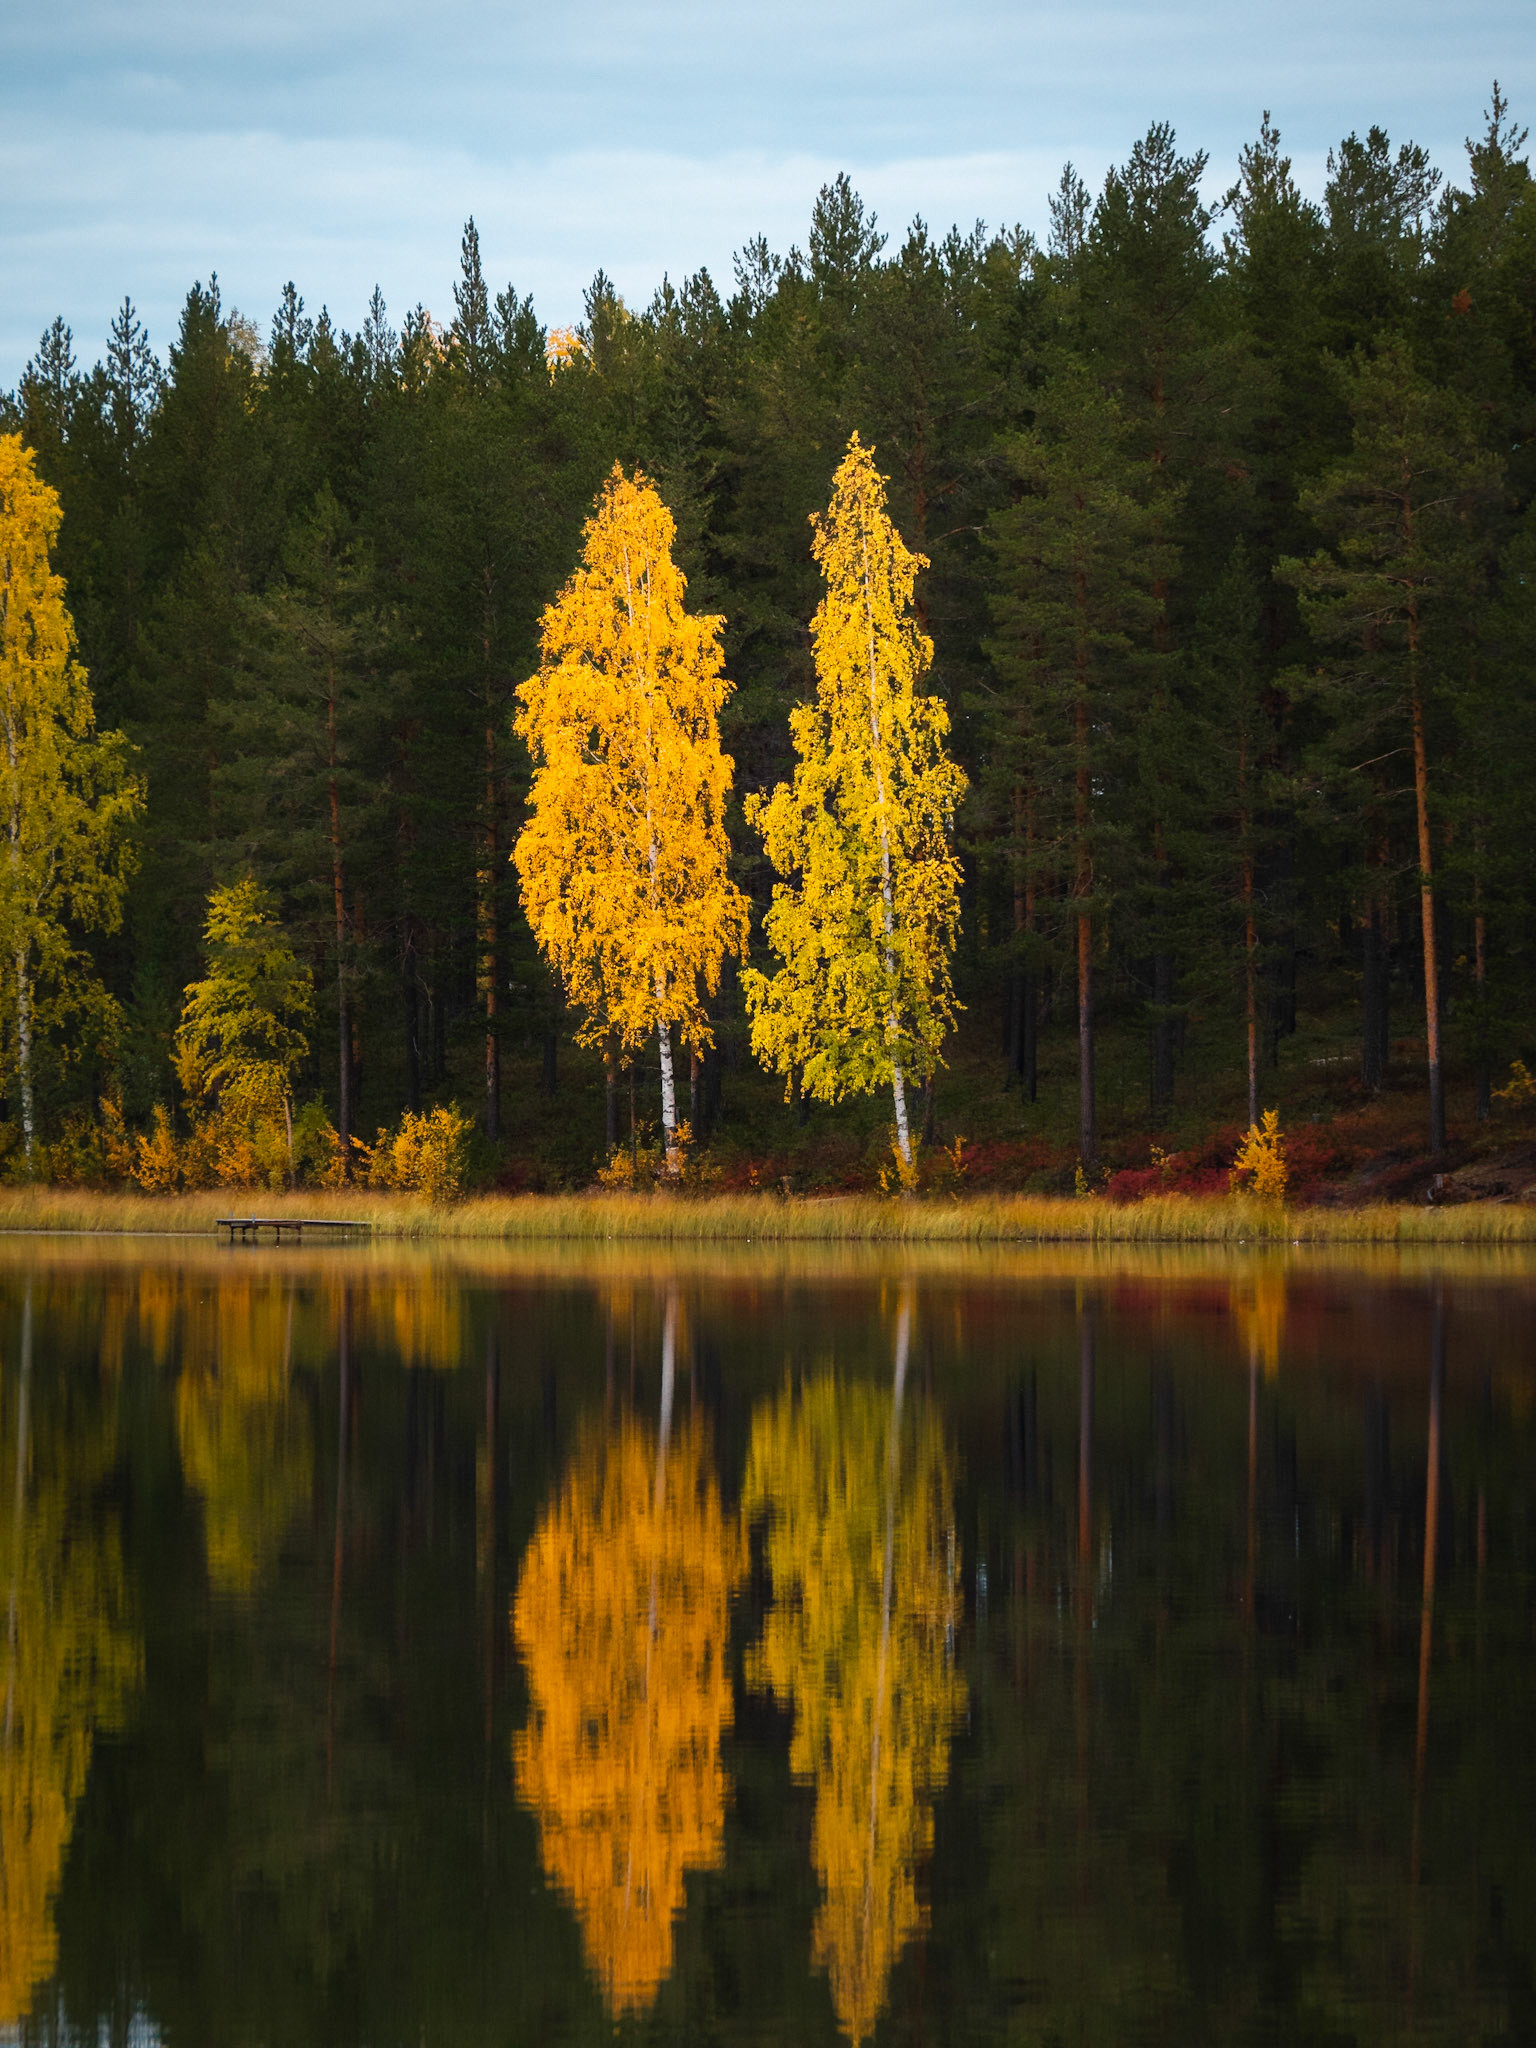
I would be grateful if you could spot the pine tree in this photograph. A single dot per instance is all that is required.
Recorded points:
(1401, 582)
(624, 859)
(1074, 606)
(303, 735)
(68, 798)
(865, 918)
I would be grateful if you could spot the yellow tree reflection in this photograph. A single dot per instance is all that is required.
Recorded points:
(245, 1442)
(621, 1618)
(69, 1659)
(858, 1489)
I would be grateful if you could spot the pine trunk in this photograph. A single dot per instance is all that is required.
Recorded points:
(1480, 969)
(1375, 1019)
(338, 894)
(489, 966)
(1251, 989)
(1162, 1029)
(1082, 889)
(1088, 1139)
(1427, 906)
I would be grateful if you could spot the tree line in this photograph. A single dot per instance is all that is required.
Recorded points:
(1225, 572)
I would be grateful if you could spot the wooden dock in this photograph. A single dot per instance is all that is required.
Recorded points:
(251, 1227)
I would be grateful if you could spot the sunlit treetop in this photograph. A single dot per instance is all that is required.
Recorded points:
(624, 859)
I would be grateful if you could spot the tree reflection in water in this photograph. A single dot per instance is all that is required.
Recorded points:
(622, 1617)
(70, 1660)
(858, 1489)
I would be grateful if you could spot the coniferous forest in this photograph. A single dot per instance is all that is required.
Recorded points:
(1226, 560)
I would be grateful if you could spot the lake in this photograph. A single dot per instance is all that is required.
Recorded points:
(465, 1645)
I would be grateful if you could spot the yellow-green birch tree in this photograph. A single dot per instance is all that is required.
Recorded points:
(865, 920)
(624, 859)
(68, 799)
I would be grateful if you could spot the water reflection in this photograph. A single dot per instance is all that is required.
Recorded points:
(245, 1442)
(742, 1650)
(621, 1618)
(71, 1655)
(857, 1485)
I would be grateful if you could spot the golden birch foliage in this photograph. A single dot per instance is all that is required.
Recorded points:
(865, 920)
(862, 1650)
(68, 802)
(623, 862)
(245, 1442)
(622, 1618)
(69, 1660)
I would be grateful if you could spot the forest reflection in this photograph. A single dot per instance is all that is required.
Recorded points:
(899, 1656)
(71, 1654)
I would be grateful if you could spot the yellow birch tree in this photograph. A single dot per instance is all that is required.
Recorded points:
(622, 1619)
(624, 859)
(859, 1501)
(866, 919)
(68, 800)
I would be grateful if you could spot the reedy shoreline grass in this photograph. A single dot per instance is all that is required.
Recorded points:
(858, 1219)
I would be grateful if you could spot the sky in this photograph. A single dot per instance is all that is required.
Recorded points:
(145, 144)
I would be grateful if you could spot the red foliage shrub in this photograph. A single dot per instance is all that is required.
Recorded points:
(1005, 1164)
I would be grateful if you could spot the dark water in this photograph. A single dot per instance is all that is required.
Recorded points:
(765, 1650)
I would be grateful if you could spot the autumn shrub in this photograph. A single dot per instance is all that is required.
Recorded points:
(902, 1175)
(426, 1154)
(1011, 1163)
(158, 1166)
(225, 1148)
(1519, 1091)
(644, 1163)
(1259, 1168)
(75, 1158)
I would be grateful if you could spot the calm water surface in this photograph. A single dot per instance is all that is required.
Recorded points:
(498, 1648)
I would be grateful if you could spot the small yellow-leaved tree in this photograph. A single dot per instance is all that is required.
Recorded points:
(240, 1040)
(1261, 1158)
(866, 920)
(68, 801)
(623, 861)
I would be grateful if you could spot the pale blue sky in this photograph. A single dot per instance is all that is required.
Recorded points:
(145, 143)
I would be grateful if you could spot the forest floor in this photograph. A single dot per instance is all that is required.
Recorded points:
(1346, 1148)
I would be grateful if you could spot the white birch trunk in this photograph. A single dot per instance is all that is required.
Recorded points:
(24, 1049)
(668, 1096)
(903, 1130)
(887, 892)
(888, 1569)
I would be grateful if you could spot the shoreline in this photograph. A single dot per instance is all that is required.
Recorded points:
(764, 1218)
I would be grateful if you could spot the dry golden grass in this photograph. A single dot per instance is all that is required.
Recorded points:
(854, 1219)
